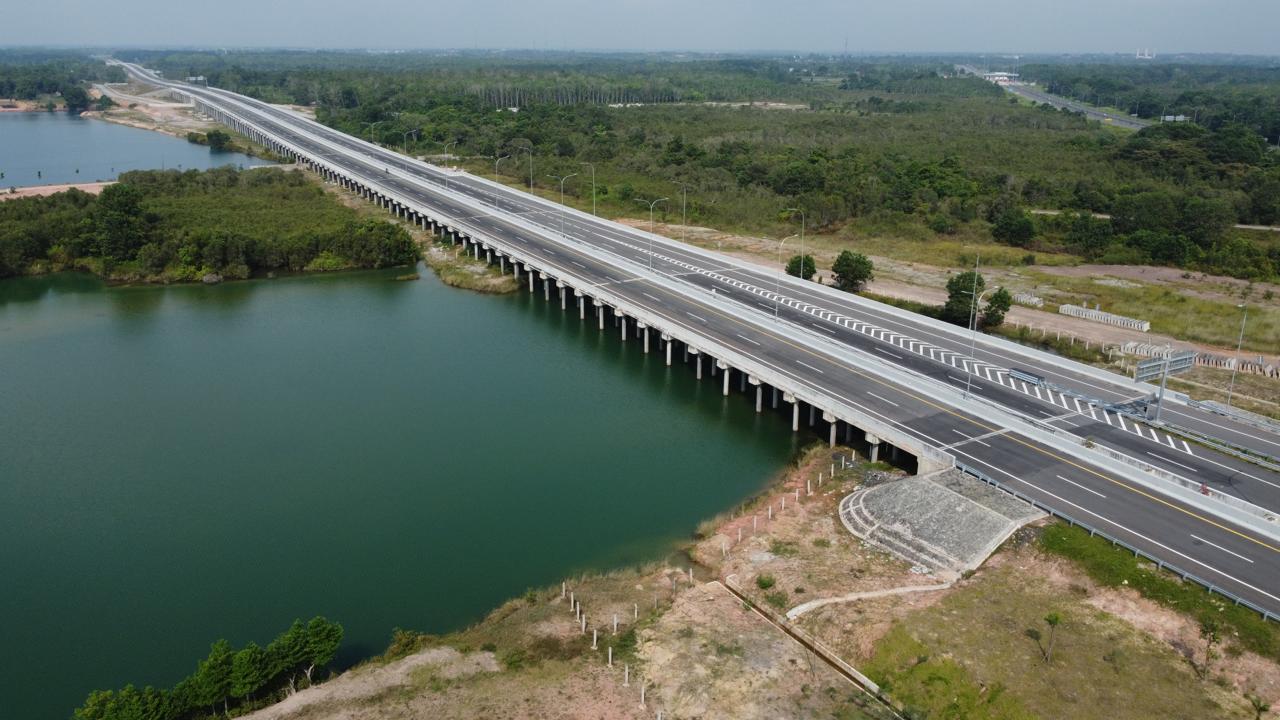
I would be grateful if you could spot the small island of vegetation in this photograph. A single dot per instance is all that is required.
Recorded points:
(172, 226)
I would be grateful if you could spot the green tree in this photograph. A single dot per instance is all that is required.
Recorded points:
(998, 304)
(1053, 620)
(287, 653)
(76, 98)
(962, 289)
(119, 228)
(213, 676)
(852, 270)
(217, 139)
(1014, 227)
(1259, 706)
(323, 639)
(803, 268)
(248, 671)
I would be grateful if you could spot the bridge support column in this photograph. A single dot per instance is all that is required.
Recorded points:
(644, 330)
(727, 373)
(600, 314)
(526, 267)
(697, 359)
(563, 296)
(795, 411)
(546, 287)
(623, 326)
(775, 398)
(667, 339)
(759, 392)
(831, 419)
(582, 305)
(502, 263)
(489, 255)
(811, 415)
(874, 442)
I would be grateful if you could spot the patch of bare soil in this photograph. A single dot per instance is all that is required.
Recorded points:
(366, 682)
(42, 190)
(712, 657)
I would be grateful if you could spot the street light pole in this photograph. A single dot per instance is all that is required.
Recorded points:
(1235, 365)
(803, 222)
(777, 286)
(495, 165)
(445, 155)
(593, 185)
(684, 215)
(406, 134)
(562, 179)
(973, 340)
(651, 233)
(371, 126)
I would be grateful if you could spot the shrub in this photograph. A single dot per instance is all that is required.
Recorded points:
(764, 582)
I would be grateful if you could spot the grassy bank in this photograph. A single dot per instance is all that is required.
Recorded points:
(1115, 567)
(463, 271)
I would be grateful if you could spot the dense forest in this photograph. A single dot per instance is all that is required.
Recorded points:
(36, 75)
(172, 226)
(903, 141)
(227, 679)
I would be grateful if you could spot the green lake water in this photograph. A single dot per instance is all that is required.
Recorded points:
(185, 463)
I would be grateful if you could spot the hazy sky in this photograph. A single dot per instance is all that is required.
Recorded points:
(1242, 26)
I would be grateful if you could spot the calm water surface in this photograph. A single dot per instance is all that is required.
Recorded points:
(180, 464)
(43, 148)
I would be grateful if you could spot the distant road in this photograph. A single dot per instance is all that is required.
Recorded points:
(1104, 216)
(1035, 94)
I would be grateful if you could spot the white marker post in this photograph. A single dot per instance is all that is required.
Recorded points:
(595, 634)
(615, 623)
(626, 675)
(610, 656)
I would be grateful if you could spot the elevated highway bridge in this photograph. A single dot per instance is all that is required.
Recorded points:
(896, 386)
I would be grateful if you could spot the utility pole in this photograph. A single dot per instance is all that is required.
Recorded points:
(684, 216)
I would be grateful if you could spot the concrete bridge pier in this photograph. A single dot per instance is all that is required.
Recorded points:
(667, 339)
(531, 273)
(831, 419)
(564, 293)
(812, 413)
(600, 314)
(874, 443)
(727, 373)
(623, 325)
(759, 392)
(775, 398)
(697, 359)
(502, 263)
(644, 331)
(582, 304)
(546, 287)
(795, 410)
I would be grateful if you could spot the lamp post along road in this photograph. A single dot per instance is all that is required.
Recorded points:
(371, 126)
(593, 185)
(1235, 364)
(777, 287)
(406, 134)
(651, 233)
(446, 159)
(684, 215)
(495, 165)
(562, 178)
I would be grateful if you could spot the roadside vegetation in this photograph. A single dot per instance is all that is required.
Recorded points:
(172, 226)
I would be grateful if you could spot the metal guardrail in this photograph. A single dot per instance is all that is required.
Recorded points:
(1212, 588)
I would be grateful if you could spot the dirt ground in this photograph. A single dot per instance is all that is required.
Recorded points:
(43, 190)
